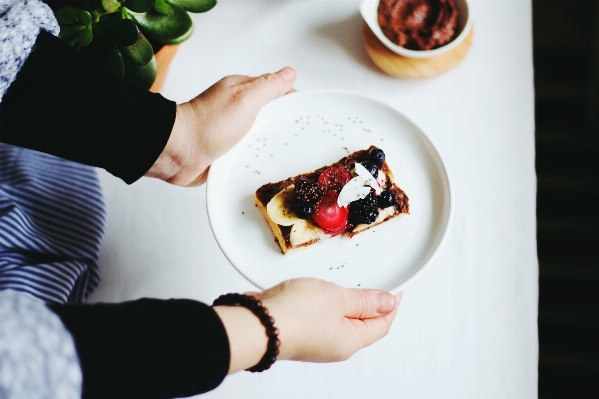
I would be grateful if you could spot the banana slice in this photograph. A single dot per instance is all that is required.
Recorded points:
(383, 214)
(279, 207)
(304, 231)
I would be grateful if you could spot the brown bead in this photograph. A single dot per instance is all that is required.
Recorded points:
(256, 307)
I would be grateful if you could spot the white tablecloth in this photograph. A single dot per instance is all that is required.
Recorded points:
(467, 327)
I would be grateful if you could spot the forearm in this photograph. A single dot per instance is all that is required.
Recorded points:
(147, 348)
(64, 104)
(247, 336)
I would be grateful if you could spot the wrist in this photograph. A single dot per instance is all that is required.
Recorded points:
(171, 161)
(247, 339)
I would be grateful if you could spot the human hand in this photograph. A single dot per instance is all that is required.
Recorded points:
(318, 322)
(212, 123)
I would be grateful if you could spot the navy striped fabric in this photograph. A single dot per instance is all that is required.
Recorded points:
(52, 219)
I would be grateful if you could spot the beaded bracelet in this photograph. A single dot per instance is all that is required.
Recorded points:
(255, 306)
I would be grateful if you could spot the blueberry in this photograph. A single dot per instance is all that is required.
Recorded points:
(377, 156)
(303, 210)
(371, 167)
(385, 199)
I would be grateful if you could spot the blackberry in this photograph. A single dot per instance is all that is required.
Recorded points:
(385, 199)
(304, 210)
(370, 201)
(377, 156)
(371, 167)
(360, 213)
(307, 191)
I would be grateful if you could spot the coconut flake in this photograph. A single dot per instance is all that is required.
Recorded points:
(344, 195)
(355, 182)
(368, 178)
(352, 194)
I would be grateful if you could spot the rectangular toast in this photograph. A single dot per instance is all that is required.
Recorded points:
(300, 233)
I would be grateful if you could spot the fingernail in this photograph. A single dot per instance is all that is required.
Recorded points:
(287, 73)
(386, 303)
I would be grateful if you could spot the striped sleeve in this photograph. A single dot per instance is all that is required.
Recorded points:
(52, 219)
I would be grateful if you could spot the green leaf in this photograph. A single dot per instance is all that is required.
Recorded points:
(143, 76)
(106, 54)
(95, 16)
(111, 5)
(85, 18)
(163, 7)
(168, 29)
(140, 53)
(194, 5)
(71, 40)
(121, 31)
(68, 15)
(85, 37)
(138, 5)
(70, 32)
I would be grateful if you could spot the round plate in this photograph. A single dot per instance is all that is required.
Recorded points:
(301, 132)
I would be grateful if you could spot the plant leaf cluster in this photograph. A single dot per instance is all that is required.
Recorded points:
(115, 33)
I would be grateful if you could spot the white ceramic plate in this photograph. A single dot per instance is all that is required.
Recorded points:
(301, 132)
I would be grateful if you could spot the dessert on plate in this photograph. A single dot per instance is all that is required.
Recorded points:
(347, 197)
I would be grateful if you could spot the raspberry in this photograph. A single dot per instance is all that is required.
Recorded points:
(333, 179)
(307, 191)
(362, 213)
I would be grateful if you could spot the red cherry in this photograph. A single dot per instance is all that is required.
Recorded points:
(334, 179)
(329, 215)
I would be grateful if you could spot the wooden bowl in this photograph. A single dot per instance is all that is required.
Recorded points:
(402, 67)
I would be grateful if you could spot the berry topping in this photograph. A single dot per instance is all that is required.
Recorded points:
(367, 177)
(362, 213)
(307, 191)
(303, 210)
(377, 156)
(364, 210)
(328, 215)
(370, 200)
(371, 167)
(385, 199)
(333, 179)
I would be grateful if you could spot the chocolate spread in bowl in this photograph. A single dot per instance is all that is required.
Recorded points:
(419, 24)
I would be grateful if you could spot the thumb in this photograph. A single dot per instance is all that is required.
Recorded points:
(367, 303)
(269, 86)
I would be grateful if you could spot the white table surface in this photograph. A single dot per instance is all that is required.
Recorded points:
(467, 328)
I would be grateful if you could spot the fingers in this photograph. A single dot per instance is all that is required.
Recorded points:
(233, 80)
(269, 86)
(367, 303)
(373, 329)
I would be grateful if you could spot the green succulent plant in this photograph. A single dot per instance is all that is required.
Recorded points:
(122, 35)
